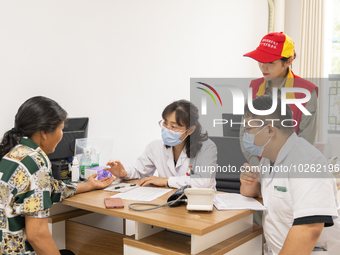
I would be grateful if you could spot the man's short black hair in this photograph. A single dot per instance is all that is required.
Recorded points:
(265, 102)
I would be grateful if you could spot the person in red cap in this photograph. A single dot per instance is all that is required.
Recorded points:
(275, 55)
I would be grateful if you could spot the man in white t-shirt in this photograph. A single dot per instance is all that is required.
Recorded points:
(295, 182)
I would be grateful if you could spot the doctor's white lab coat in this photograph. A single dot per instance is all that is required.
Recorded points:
(197, 172)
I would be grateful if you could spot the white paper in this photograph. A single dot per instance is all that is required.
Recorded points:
(232, 201)
(142, 194)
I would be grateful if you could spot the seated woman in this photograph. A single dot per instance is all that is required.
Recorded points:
(183, 157)
(27, 188)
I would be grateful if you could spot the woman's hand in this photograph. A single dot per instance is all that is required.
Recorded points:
(100, 184)
(92, 184)
(116, 168)
(158, 181)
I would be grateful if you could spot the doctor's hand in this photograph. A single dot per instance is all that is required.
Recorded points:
(116, 168)
(158, 181)
(249, 175)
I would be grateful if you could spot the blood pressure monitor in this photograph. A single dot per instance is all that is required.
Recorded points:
(200, 199)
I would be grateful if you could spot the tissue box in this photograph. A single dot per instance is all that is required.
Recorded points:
(99, 170)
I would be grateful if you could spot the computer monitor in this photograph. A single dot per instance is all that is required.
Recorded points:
(75, 128)
(233, 131)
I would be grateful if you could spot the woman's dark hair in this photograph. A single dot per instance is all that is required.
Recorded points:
(36, 114)
(284, 60)
(187, 115)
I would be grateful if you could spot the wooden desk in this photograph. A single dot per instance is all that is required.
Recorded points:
(207, 229)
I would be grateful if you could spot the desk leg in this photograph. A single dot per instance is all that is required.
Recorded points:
(58, 233)
(129, 227)
(200, 243)
(144, 230)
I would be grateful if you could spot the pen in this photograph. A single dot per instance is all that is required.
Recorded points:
(119, 187)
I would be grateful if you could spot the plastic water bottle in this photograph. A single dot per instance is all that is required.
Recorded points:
(85, 163)
(75, 170)
(94, 157)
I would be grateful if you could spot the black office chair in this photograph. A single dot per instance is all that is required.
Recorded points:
(229, 156)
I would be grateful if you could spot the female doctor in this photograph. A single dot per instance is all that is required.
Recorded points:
(182, 157)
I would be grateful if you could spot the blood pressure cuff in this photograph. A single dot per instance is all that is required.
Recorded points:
(177, 194)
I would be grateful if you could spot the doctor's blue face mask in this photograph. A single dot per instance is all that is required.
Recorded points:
(249, 143)
(170, 137)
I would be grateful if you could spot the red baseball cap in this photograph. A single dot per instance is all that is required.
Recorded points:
(273, 46)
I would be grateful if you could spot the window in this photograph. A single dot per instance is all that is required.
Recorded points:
(334, 104)
(336, 38)
(334, 77)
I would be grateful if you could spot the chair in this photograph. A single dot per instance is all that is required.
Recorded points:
(229, 160)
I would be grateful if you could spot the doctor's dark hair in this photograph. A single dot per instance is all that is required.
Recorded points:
(265, 102)
(36, 114)
(187, 115)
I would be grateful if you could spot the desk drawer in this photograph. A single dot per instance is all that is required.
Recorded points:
(87, 240)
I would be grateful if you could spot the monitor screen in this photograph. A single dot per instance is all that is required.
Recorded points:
(75, 128)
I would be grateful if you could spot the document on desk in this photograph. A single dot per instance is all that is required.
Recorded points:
(142, 194)
(232, 201)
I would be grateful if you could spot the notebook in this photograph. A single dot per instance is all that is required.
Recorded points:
(231, 201)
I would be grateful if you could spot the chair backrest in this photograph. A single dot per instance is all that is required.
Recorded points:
(229, 160)
(234, 129)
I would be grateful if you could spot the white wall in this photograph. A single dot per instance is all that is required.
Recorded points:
(293, 27)
(121, 62)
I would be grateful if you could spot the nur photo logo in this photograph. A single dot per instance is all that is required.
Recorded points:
(233, 94)
(204, 99)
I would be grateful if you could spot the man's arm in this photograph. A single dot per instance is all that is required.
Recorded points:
(250, 186)
(301, 239)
